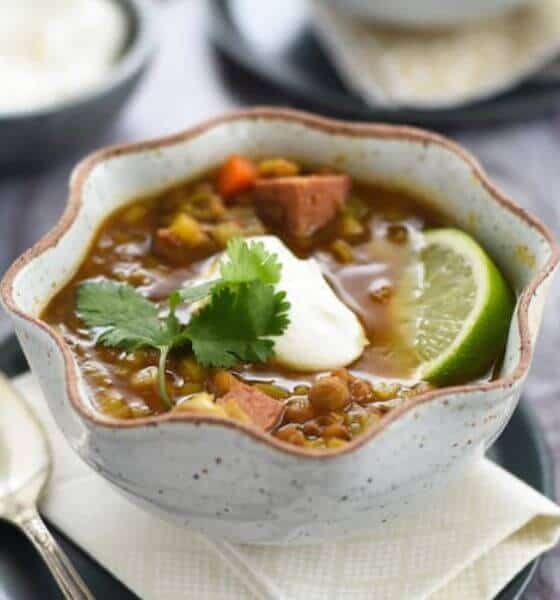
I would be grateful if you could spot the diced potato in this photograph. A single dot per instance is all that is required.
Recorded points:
(274, 391)
(335, 443)
(97, 373)
(132, 274)
(190, 387)
(356, 207)
(205, 205)
(371, 419)
(235, 412)
(318, 443)
(254, 227)
(349, 226)
(136, 358)
(385, 391)
(246, 218)
(140, 411)
(114, 405)
(191, 370)
(201, 403)
(355, 428)
(342, 251)
(278, 167)
(420, 388)
(185, 230)
(223, 232)
(242, 212)
(135, 213)
(144, 379)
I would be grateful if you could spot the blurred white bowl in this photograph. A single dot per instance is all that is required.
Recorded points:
(425, 13)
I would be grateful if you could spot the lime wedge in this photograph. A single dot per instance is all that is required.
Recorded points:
(455, 308)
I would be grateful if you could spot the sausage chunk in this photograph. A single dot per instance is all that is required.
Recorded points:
(301, 205)
(263, 410)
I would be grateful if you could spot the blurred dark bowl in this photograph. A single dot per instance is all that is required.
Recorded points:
(37, 139)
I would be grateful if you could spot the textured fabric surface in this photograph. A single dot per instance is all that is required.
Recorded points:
(440, 67)
(467, 544)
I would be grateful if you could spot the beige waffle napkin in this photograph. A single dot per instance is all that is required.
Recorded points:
(439, 68)
(466, 545)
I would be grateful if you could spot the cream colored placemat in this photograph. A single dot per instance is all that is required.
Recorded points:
(466, 545)
(439, 68)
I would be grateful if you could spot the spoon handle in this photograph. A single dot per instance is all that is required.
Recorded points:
(71, 584)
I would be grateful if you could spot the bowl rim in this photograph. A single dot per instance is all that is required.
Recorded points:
(139, 53)
(329, 126)
(421, 21)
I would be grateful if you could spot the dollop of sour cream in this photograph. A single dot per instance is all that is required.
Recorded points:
(323, 333)
(55, 50)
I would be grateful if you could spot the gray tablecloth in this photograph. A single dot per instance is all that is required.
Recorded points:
(184, 87)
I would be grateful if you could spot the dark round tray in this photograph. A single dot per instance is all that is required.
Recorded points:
(520, 449)
(288, 66)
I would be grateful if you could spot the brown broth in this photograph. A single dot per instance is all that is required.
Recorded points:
(126, 249)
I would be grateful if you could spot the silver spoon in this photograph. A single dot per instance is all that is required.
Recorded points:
(25, 467)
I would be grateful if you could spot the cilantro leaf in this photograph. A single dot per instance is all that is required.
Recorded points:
(124, 317)
(243, 313)
(244, 263)
(249, 262)
(236, 326)
(193, 293)
(129, 321)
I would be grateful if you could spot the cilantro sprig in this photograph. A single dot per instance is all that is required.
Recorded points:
(244, 264)
(243, 311)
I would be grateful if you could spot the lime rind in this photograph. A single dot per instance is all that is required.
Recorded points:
(455, 308)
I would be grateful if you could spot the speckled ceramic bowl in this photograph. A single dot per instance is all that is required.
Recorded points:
(229, 479)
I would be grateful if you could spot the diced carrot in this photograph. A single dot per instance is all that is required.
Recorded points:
(236, 175)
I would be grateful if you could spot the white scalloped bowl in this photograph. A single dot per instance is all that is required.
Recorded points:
(231, 480)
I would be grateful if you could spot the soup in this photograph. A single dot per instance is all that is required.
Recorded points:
(338, 354)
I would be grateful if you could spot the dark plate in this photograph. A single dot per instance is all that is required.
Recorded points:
(279, 51)
(520, 450)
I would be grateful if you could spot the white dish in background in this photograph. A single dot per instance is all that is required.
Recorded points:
(37, 137)
(232, 480)
(426, 13)
(53, 52)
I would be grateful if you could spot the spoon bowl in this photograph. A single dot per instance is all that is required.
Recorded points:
(25, 458)
(25, 468)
